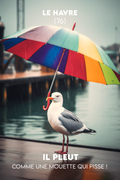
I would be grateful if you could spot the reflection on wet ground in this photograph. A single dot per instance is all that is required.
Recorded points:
(78, 170)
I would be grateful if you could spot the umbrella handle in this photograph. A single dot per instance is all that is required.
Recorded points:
(48, 102)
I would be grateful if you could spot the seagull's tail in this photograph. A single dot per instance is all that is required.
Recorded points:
(90, 131)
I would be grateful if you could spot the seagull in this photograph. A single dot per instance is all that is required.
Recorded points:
(64, 121)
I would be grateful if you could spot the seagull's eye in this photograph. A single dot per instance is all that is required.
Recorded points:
(57, 96)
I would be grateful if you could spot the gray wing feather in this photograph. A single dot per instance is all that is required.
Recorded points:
(70, 121)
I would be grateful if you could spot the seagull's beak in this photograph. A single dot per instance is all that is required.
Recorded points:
(49, 98)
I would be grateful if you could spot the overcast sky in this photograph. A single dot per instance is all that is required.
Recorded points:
(96, 19)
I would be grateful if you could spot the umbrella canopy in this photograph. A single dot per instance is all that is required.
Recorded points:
(82, 58)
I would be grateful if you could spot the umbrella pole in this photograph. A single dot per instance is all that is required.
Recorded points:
(49, 92)
(59, 63)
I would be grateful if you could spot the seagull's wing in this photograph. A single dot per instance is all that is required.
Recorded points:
(71, 122)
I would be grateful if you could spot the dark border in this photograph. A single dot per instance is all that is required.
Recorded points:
(55, 143)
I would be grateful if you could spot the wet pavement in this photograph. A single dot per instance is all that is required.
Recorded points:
(22, 159)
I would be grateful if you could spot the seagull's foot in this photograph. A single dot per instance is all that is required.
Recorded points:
(58, 152)
(61, 152)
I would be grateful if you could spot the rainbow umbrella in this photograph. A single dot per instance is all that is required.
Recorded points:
(65, 50)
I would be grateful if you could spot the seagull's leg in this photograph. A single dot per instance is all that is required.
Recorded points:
(65, 152)
(60, 152)
(67, 144)
(63, 143)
